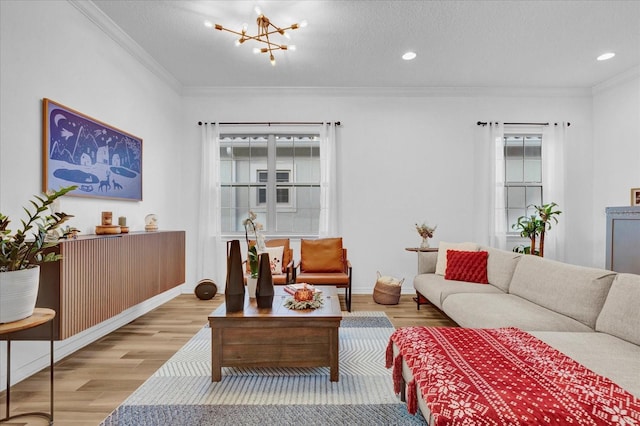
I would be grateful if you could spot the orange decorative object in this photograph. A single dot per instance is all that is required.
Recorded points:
(303, 295)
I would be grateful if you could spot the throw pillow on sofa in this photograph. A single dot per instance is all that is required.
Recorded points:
(441, 263)
(469, 266)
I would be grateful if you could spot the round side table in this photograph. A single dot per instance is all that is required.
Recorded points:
(40, 316)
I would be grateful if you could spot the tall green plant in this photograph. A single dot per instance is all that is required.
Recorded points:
(547, 215)
(536, 224)
(18, 251)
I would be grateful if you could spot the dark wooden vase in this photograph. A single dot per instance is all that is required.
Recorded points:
(234, 286)
(264, 288)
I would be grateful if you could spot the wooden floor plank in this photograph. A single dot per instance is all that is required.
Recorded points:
(93, 381)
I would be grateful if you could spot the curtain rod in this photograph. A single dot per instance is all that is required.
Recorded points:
(484, 123)
(271, 123)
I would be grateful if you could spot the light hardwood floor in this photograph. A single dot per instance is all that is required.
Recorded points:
(93, 381)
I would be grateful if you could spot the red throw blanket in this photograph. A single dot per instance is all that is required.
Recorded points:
(504, 377)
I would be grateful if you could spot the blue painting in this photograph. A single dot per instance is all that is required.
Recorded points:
(78, 150)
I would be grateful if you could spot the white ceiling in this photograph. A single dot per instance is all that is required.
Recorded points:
(513, 44)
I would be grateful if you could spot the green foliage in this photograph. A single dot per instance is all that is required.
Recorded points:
(536, 225)
(18, 251)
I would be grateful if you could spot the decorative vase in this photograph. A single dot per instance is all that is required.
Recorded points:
(18, 293)
(234, 286)
(251, 287)
(264, 287)
(425, 242)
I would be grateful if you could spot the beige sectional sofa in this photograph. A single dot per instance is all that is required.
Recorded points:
(591, 315)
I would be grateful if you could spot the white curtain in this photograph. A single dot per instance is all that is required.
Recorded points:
(553, 166)
(489, 200)
(328, 182)
(208, 255)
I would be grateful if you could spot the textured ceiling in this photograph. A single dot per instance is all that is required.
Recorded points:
(519, 44)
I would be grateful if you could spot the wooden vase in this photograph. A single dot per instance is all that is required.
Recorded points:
(264, 288)
(234, 286)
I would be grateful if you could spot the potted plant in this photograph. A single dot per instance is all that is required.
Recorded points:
(547, 214)
(22, 252)
(529, 228)
(534, 225)
(250, 224)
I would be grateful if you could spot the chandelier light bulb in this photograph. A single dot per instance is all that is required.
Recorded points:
(208, 24)
(304, 23)
(292, 47)
(256, 50)
(272, 60)
(257, 10)
(238, 42)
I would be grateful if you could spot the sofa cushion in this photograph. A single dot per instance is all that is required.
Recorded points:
(620, 315)
(436, 289)
(441, 264)
(322, 255)
(616, 359)
(575, 291)
(505, 310)
(470, 266)
(500, 266)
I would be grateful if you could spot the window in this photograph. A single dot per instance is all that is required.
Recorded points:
(282, 194)
(275, 175)
(523, 175)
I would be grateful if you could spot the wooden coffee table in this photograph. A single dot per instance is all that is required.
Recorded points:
(276, 337)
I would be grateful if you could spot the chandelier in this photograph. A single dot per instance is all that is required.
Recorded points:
(265, 29)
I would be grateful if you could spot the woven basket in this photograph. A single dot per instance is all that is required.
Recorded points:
(386, 292)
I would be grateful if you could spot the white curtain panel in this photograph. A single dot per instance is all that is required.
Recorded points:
(328, 182)
(553, 180)
(490, 217)
(209, 254)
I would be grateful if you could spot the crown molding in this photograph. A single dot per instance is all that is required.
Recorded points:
(622, 78)
(191, 91)
(106, 24)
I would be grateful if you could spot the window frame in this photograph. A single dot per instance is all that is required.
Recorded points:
(526, 184)
(268, 217)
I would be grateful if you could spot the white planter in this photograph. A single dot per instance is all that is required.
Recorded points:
(251, 287)
(18, 293)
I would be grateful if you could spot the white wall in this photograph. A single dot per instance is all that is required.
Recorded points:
(616, 135)
(404, 159)
(49, 49)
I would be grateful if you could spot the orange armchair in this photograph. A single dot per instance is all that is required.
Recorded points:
(324, 262)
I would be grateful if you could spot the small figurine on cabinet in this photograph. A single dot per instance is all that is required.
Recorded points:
(151, 223)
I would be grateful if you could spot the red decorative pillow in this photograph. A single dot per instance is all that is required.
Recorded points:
(470, 266)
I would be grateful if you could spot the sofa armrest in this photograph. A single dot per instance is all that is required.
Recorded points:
(427, 262)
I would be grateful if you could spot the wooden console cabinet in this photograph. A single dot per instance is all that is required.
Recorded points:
(623, 239)
(101, 276)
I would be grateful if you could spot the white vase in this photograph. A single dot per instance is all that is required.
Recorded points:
(251, 287)
(425, 243)
(18, 293)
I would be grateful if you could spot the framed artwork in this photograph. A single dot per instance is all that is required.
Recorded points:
(103, 161)
(635, 196)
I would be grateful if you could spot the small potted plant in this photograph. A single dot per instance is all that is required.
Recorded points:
(251, 225)
(22, 252)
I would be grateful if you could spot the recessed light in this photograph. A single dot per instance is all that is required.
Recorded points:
(409, 56)
(606, 56)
